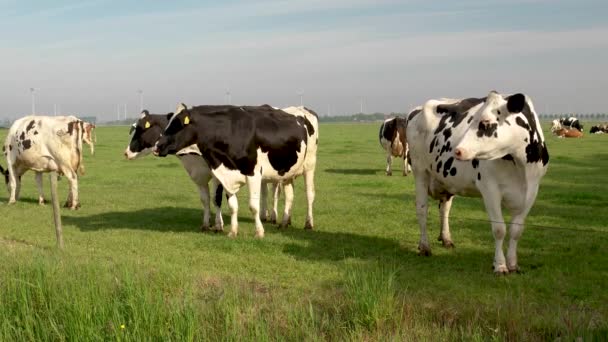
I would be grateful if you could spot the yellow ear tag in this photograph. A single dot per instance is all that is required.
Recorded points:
(147, 125)
(186, 120)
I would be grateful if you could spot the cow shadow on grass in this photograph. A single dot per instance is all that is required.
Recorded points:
(163, 219)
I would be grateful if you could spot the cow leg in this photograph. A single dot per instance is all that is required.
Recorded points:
(72, 201)
(255, 184)
(444, 214)
(203, 190)
(288, 189)
(233, 204)
(389, 164)
(14, 183)
(309, 183)
(516, 228)
(405, 170)
(276, 192)
(217, 189)
(264, 202)
(422, 198)
(492, 200)
(39, 186)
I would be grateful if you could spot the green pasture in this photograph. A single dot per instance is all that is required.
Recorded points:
(136, 267)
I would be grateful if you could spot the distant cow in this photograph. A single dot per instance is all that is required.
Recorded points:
(491, 147)
(571, 123)
(599, 129)
(246, 145)
(392, 140)
(567, 133)
(45, 144)
(89, 136)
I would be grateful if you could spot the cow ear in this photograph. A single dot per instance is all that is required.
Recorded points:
(144, 113)
(515, 103)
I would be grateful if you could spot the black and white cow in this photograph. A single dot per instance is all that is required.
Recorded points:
(248, 144)
(392, 140)
(44, 144)
(491, 147)
(144, 135)
(570, 123)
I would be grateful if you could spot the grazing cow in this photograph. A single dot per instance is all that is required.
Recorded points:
(246, 145)
(146, 132)
(392, 139)
(491, 147)
(44, 144)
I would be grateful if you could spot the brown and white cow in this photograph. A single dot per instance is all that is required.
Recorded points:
(567, 133)
(44, 144)
(392, 140)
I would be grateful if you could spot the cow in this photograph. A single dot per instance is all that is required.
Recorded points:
(248, 144)
(89, 136)
(392, 139)
(567, 133)
(570, 123)
(599, 129)
(491, 147)
(146, 132)
(44, 144)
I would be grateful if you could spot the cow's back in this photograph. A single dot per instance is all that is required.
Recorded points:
(43, 143)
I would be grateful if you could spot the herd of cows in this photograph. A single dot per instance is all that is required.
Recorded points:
(491, 147)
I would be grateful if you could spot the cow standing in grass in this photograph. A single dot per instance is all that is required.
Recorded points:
(248, 144)
(491, 147)
(393, 141)
(44, 144)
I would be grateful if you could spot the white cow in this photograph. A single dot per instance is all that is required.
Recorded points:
(45, 144)
(491, 147)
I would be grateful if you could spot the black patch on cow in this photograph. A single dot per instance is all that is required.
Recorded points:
(312, 112)
(10, 147)
(413, 114)
(508, 157)
(27, 144)
(447, 133)
(22, 136)
(218, 195)
(516, 103)
(436, 158)
(71, 127)
(30, 125)
(475, 163)
(445, 148)
(521, 122)
(447, 166)
(469, 119)
(456, 112)
(507, 122)
(478, 176)
(536, 150)
(453, 171)
(388, 129)
(487, 130)
(439, 166)
(35, 132)
(432, 144)
(304, 121)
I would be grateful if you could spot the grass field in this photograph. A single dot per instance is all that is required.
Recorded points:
(135, 266)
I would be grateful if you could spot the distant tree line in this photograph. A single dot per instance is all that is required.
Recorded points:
(361, 117)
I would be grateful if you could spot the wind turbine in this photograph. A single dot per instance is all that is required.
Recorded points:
(33, 101)
(301, 94)
(141, 101)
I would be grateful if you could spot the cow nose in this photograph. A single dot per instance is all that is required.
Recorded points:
(459, 152)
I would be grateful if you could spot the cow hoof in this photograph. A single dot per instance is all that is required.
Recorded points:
(11, 202)
(514, 269)
(232, 235)
(41, 202)
(448, 244)
(389, 173)
(205, 228)
(273, 221)
(501, 270)
(308, 225)
(218, 229)
(424, 250)
(259, 235)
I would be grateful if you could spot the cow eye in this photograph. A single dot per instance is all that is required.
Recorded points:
(498, 111)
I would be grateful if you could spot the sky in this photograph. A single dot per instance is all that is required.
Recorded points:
(88, 57)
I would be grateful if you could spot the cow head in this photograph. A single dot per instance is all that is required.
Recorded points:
(555, 125)
(180, 133)
(145, 133)
(503, 126)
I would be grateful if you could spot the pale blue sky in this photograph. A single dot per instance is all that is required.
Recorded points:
(89, 56)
